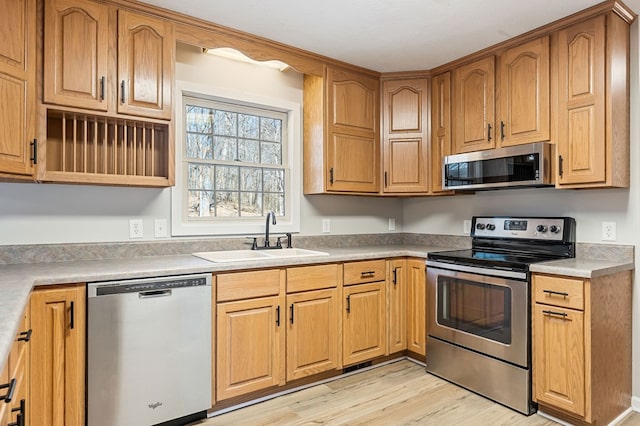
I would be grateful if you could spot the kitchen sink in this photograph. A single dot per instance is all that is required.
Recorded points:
(294, 252)
(252, 255)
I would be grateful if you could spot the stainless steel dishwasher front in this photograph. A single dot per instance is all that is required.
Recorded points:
(149, 350)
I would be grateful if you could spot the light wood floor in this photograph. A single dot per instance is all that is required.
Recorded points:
(401, 393)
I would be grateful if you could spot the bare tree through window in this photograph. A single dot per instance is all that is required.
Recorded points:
(236, 162)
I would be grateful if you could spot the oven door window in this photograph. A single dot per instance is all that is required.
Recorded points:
(474, 307)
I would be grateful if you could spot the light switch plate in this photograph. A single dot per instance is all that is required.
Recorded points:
(326, 226)
(466, 226)
(392, 224)
(160, 228)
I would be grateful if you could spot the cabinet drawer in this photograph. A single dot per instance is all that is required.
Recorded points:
(558, 291)
(248, 285)
(364, 272)
(305, 278)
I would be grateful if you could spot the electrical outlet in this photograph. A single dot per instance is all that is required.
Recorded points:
(135, 228)
(608, 231)
(326, 226)
(160, 228)
(466, 226)
(392, 224)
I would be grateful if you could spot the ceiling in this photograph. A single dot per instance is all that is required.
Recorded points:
(384, 35)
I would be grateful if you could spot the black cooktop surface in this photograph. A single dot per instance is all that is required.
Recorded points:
(490, 259)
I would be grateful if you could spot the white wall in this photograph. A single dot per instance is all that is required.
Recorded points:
(589, 207)
(48, 213)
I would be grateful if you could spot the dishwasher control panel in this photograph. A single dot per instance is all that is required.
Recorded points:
(147, 284)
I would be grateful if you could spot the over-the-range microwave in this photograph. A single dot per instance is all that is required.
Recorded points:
(515, 166)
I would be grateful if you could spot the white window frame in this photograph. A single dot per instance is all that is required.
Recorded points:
(219, 226)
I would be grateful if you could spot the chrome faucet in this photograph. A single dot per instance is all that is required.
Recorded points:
(271, 215)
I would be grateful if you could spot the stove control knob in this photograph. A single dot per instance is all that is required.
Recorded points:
(541, 228)
(480, 226)
(490, 227)
(555, 229)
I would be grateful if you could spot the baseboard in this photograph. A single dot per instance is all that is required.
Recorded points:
(635, 403)
(614, 422)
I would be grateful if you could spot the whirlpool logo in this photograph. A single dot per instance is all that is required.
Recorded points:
(155, 405)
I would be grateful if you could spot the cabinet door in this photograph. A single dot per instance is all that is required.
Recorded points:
(353, 132)
(58, 355)
(524, 94)
(406, 156)
(76, 48)
(250, 349)
(146, 55)
(581, 143)
(416, 306)
(397, 300)
(440, 126)
(364, 322)
(558, 358)
(312, 333)
(474, 106)
(5, 409)
(17, 85)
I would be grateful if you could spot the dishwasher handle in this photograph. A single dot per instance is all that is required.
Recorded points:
(154, 293)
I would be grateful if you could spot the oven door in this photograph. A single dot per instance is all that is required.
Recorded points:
(483, 313)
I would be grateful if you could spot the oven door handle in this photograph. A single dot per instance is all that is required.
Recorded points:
(478, 270)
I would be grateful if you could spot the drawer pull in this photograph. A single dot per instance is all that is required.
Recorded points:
(367, 274)
(25, 336)
(11, 386)
(559, 293)
(560, 314)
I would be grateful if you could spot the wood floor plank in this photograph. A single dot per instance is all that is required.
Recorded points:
(400, 393)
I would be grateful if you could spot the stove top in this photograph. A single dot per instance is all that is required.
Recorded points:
(514, 243)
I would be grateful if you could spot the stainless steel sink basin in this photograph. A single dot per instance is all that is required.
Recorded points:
(253, 255)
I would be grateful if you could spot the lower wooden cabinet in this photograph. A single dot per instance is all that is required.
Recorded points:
(397, 304)
(14, 378)
(364, 328)
(251, 340)
(582, 346)
(58, 345)
(416, 306)
(312, 333)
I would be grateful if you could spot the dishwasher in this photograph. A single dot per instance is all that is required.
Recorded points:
(149, 350)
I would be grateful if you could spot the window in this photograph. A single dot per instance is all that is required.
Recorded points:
(235, 159)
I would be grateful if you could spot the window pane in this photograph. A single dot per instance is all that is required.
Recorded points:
(199, 146)
(226, 203)
(271, 153)
(198, 119)
(201, 204)
(200, 177)
(248, 126)
(270, 129)
(224, 148)
(250, 179)
(225, 123)
(227, 177)
(249, 151)
(273, 180)
(274, 202)
(250, 204)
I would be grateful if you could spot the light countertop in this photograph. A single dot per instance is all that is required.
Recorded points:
(17, 280)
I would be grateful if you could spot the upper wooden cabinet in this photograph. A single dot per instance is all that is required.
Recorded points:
(146, 54)
(593, 91)
(440, 127)
(523, 115)
(78, 41)
(341, 133)
(474, 106)
(517, 113)
(405, 137)
(17, 87)
(76, 49)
